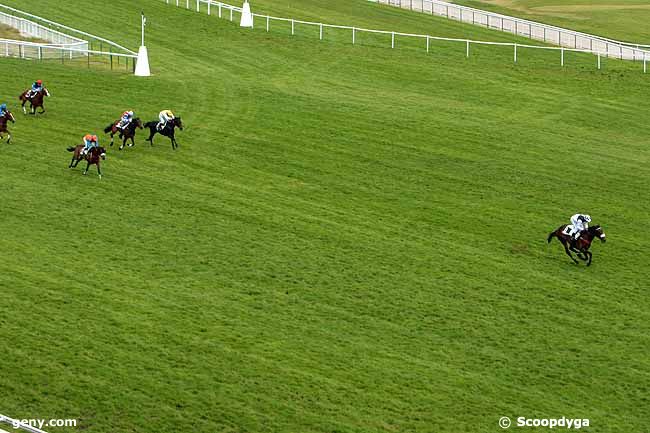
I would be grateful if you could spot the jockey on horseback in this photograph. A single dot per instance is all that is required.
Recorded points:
(579, 223)
(90, 141)
(3, 109)
(126, 118)
(37, 86)
(164, 117)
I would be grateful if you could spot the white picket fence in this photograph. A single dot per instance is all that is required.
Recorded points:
(530, 29)
(60, 46)
(233, 13)
(35, 30)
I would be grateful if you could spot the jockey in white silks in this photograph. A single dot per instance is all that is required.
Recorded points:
(164, 117)
(579, 222)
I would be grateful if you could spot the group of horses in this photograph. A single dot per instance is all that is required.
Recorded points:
(95, 154)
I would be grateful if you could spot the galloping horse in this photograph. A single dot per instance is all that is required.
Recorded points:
(36, 101)
(93, 157)
(167, 131)
(3, 125)
(126, 133)
(581, 246)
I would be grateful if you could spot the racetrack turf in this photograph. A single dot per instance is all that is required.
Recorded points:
(349, 239)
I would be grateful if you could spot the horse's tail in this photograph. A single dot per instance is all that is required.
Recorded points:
(108, 128)
(551, 236)
(71, 149)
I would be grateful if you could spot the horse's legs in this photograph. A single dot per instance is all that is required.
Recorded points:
(87, 167)
(8, 137)
(581, 254)
(112, 133)
(71, 161)
(132, 141)
(123, 143)
(590, 256)
(42, 109)
(566, 249)
(151, 134)
(99, 171)
(24, 109)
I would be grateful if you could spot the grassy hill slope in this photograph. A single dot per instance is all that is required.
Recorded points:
(624, 20)
(348, 239)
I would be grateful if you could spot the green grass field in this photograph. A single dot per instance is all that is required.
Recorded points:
(349, 239)
(624, 20)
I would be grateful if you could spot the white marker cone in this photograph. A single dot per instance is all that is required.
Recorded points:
(142, 66)
(246, 15)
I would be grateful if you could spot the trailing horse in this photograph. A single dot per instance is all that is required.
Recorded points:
(167, 131)
(3, 125)
(126, 133)
(582, 245)
(94, 156)
(35, 101)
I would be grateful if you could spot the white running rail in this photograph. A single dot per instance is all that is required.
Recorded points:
(530, 29)
(227, 11)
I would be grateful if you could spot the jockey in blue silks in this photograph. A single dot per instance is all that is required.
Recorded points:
(37, 86)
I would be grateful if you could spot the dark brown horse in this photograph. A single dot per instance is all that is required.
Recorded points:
(126, 133)
(3, 125)
(35, 101)
(167, 131)
(94, 156)
(582, 245)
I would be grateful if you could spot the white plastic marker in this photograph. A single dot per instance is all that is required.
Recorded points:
(142, 66)
(246, 15)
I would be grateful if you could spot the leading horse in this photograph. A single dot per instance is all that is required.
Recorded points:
(94, 156)
(126, 133)
(3, 125)
(35, 101)
(167, 131)
(582, 245)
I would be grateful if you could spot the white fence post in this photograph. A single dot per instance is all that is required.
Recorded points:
(268, 23)
(219, 9)
(230, 14)
(515, 52)
(645, 68)
(176, 3)
(467, 51)
(392, 40)
(321, 31)
(599, 61)
(293, 27)
(187, 4)
(562, 58)
(209, 3)
(427, 43)
(354, 35)
(198, 9)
